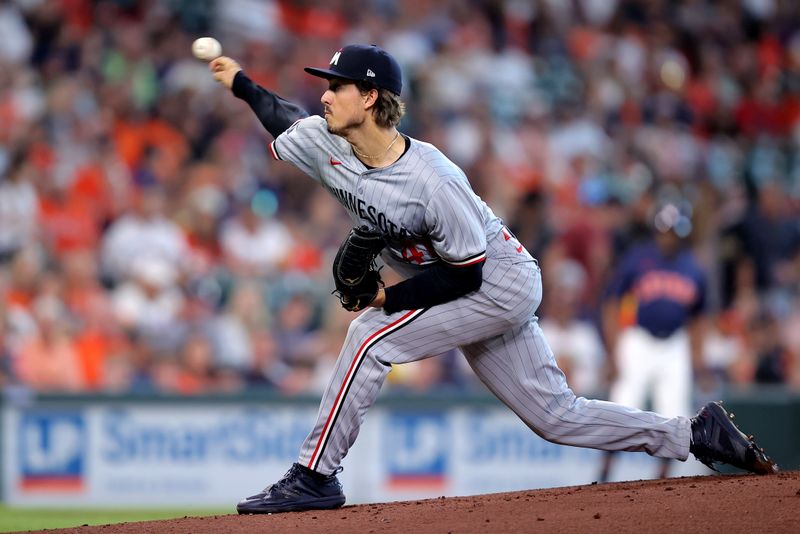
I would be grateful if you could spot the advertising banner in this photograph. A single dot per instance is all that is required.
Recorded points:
(150, 454)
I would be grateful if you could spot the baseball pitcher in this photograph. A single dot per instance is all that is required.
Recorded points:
(469, 284)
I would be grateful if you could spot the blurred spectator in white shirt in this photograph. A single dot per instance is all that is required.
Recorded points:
(17, 39)
(575, 342)
(244, 314)
(145, 231)
(254, 244)
(19, 207)
(150, 302)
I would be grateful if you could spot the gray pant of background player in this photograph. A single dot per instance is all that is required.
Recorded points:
(498, 333)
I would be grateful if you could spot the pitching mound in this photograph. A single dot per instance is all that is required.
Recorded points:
(698, 504)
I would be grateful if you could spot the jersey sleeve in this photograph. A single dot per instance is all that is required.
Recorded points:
(300, 145)
(454, 216)
(276, 114)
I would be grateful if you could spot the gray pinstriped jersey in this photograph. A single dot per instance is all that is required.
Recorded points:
(422, 203)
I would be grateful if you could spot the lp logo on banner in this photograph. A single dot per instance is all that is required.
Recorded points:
(416, 450)
(52, 449)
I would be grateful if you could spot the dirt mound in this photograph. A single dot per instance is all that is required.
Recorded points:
(728, 504)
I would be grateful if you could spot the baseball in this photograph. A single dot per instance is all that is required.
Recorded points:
(206, 48)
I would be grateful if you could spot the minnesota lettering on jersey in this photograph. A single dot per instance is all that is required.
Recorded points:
(369, 213)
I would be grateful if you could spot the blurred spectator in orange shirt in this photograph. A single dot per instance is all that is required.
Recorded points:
(196, 371)
(97, 341)
(47, 360)
(66, 220)
(98, 334)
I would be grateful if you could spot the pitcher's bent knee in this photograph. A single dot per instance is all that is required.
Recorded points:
(563, 419)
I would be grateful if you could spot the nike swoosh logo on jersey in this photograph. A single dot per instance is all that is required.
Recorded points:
(335, 162)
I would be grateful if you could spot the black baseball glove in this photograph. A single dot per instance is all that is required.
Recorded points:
(354, 272)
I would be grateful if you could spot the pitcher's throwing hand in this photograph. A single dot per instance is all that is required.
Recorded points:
(224, 70)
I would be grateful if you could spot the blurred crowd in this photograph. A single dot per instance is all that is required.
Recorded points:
(148, 243)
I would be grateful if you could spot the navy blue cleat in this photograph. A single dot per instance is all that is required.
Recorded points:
(715, 439)
(299, 489)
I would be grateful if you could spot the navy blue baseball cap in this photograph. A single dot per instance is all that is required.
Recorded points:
(367, 63)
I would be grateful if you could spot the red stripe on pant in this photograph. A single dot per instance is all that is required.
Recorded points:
(359, 355)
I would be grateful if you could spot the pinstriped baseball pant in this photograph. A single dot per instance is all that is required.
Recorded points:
(497, 331)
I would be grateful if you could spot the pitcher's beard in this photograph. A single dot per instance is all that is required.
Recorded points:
(343, 131)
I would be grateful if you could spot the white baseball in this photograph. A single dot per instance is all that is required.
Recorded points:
(206, 48)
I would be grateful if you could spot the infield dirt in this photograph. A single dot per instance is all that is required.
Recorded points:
(730, 504)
